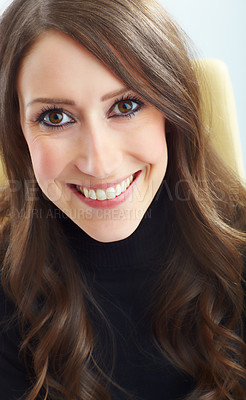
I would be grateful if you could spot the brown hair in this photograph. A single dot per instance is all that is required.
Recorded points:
(197, 307)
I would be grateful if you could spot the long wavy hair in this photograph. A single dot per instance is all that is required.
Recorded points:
(198, 305)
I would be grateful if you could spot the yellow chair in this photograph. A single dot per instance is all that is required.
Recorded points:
(220, 111)
(3, 180)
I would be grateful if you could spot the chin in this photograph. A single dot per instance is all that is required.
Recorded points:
(110, 231)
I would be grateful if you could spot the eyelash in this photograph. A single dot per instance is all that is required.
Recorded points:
(49, 109)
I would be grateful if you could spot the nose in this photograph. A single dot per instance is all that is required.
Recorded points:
(99, 153)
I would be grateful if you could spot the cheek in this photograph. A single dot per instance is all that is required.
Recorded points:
(46, 162)
(155, 147)
(150, 142)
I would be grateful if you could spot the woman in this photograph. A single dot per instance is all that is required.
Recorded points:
(122, 267)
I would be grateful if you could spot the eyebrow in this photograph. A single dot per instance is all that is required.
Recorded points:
(115, 93)
(51, 101)
(71, 102)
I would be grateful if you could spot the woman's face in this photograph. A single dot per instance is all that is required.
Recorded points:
(98, 149)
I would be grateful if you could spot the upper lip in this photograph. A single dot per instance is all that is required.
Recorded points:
(106, 185)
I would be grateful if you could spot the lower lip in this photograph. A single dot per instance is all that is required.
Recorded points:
(109, 203)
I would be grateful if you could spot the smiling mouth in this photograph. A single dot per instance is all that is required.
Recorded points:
(110, 193)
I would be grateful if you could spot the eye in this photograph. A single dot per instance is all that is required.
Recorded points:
(54, 118)
(57, 118)
(125, 107)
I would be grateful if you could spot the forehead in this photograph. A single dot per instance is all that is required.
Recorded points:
(58, 61)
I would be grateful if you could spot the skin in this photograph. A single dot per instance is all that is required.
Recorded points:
(99, 145)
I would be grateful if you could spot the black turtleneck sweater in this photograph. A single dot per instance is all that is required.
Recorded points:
(120, 276)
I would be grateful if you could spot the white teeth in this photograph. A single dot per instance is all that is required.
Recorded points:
(118, 190)
(110, 192)
(86, 192)
(92, 194)
(123, 186)
(101, 195)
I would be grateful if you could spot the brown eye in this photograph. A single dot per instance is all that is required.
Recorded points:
(55, 117)
(125, 106)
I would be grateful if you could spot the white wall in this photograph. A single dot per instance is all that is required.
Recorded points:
(4, 4)
(218, 29)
